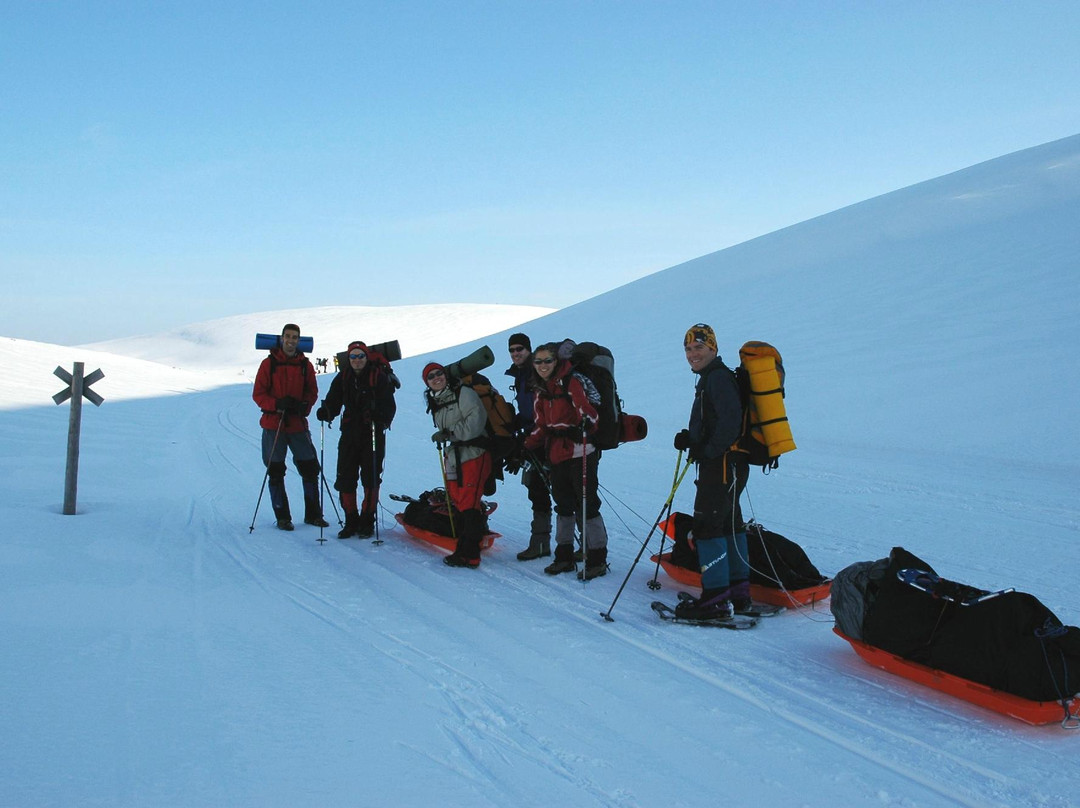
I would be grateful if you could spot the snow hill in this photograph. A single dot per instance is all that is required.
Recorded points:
(159, 653)
(228, 343)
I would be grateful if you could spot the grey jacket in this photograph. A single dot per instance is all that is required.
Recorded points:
(461, 413)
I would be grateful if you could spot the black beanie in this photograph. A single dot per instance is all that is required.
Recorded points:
(520, 339)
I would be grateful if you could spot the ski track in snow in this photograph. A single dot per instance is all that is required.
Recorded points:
(756, 684)
(780, 689)
(479, 714)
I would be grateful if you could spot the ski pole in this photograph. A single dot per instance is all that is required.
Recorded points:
(665, 517)
(262, 487)
(584, 502)
(333, 503)
(322, 464)
(325, 484)
(538, 468)
(654, 584)
(446, 490)
(377, 469)
(679, 475)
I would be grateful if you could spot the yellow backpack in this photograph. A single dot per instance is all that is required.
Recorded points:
(766, 433)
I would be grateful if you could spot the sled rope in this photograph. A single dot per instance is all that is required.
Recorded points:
(1050, 632)
(775, 576)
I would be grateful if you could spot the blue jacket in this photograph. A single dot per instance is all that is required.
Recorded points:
(524, 397)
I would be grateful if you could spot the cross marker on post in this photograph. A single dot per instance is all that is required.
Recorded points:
(78, 387)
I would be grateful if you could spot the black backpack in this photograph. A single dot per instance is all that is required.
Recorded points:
(778, 562)
(379, 356)
(596, 363)
(431, 512)
(775, 561)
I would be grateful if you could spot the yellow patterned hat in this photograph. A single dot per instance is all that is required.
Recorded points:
(701, 333)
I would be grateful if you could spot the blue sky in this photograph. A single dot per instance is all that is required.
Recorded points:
(166, 163)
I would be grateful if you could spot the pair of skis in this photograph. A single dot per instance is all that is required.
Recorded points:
(944, 589)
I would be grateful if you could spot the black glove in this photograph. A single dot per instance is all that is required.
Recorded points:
(323, 415)
(442, 436)
(683, 440)
(288, 405)
(513, 463)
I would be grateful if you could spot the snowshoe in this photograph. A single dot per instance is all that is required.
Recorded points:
(743, 606)
(735, 621)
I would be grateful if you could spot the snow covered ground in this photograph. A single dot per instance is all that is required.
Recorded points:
(156, 652)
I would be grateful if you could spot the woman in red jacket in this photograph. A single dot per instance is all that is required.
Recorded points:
(565, 414)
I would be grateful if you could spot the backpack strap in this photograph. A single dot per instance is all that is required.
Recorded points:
(304, 365)
(592, 393)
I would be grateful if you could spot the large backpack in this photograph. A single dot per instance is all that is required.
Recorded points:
(500, 414)
(379, 356)
(596, 363)
(766, 433)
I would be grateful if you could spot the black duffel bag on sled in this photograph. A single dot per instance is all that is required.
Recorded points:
(1006, 640)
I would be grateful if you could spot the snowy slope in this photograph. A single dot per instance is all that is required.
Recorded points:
(160, 654)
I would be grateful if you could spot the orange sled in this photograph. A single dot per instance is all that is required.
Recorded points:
(448, 543)
(1026, 710)
(763, 594)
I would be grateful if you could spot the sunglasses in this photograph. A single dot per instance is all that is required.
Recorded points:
(435, 374)
(518, 349)
(360, 355)
(549, 361)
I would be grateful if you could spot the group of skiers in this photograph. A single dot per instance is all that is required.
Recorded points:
(556, 413)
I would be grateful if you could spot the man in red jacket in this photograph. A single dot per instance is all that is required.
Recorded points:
(286, 390)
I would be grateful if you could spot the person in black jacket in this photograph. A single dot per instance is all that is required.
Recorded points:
(366, 393)
(534, 474)
(718, 530)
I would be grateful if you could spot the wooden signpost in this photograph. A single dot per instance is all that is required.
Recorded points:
(78, 388)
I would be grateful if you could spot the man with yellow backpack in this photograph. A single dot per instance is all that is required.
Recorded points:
(738, 419)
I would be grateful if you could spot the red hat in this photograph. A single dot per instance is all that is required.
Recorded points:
(430, 366)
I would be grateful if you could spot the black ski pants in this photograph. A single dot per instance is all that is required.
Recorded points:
(357, 463)
(720, 484)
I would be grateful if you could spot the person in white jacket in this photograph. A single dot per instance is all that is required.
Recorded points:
(461, 422)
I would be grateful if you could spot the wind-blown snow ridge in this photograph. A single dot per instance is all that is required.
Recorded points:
(228, 343)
